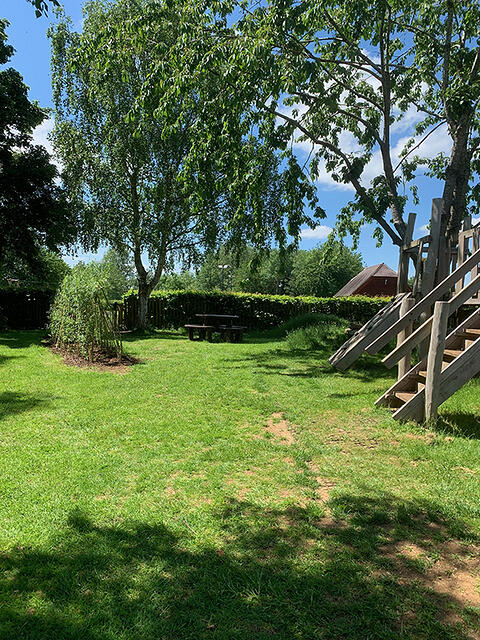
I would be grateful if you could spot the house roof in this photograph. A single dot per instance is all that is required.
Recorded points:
(377, 271)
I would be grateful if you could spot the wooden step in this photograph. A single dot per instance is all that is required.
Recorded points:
(451, 354)
(469, 334)
(420, 376)
(403, 396)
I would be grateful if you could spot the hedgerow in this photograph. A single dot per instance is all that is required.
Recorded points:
(173, 309)
(82, 319)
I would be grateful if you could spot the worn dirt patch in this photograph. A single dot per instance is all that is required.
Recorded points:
(325, 486)
(280, 429)
(451, 568)
(101, 361)
(464, 469)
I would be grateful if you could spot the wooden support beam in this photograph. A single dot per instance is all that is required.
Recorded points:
(402, 279)
(414, 246)
(428, 280)
(417, 283)
(435, 359)
(404, 364)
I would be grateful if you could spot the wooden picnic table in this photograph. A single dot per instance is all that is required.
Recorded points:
(217, 318)
(221, 322)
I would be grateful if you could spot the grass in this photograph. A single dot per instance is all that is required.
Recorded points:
(232, 492)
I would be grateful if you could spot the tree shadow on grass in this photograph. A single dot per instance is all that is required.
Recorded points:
(155, 334)
(280, 573)
(21, 339)
(312, 364)
(13, 402)
(458, 423)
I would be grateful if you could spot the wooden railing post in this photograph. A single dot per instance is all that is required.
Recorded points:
(404, 364)
(435, 359)
(404, 258)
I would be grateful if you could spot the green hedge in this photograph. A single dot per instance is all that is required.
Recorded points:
(173, 309)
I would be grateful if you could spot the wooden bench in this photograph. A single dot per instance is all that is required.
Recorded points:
(202, 329)
(231, 334)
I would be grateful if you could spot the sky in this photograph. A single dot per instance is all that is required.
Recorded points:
(28, 36)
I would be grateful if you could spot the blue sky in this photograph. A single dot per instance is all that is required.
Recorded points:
(32, 59)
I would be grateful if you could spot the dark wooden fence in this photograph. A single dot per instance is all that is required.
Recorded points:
(24, 309)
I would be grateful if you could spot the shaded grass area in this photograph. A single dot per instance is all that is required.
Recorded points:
(230, 491)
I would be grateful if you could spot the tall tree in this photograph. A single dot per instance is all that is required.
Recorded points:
(119, 271)
(141, 170)
(324, 270)
(33, 211)
(344, 78)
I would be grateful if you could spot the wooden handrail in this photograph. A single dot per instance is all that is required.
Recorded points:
(425, 303)
(423, 330)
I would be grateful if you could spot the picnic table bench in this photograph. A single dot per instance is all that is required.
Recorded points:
(220, 322)
(204, 331)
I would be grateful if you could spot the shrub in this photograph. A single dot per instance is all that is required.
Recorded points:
(81, 319)
(305, 320)
(319, 336)
(173, 309)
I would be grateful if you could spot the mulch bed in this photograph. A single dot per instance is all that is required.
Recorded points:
(101, 361)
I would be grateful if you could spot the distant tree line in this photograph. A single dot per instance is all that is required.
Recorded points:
(321, 271)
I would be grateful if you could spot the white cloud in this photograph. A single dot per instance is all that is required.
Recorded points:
(41, 137)
(41, 133)
(321, 232)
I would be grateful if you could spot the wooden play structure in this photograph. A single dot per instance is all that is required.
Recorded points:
(439, 320)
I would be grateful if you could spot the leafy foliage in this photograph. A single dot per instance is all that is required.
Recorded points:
(81, 318)
(256, 311)
(42, 6)
(144, 172)
(344, 79)
(45, 273)
(321, 271)
(33, 211)
(119, 271)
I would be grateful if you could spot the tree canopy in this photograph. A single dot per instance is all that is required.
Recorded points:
(42, 6)
(33, 211)
(321, 271)
(44, 274)
(344, 80)
(145, 174)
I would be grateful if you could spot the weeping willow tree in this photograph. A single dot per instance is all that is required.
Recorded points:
(82, 318)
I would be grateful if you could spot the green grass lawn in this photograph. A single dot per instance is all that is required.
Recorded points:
(232, 492)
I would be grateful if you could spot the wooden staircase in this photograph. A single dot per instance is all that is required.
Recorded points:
(353, 348)
(460, 362)
(452, 359)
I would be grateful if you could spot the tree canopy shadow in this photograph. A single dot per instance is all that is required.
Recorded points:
(14, 402)
(312, 364)
(459, 423)
(21, 339)
(279, 573)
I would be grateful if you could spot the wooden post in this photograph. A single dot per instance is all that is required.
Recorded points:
(428, 279)
(430, 268)
(403, 262)
(404, 364)
(435, 359)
